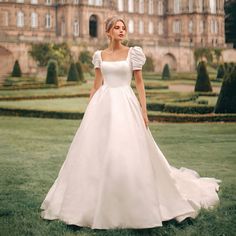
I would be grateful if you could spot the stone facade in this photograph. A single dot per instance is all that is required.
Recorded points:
(168, 30)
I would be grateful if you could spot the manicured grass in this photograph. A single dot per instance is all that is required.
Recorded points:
(32, 151)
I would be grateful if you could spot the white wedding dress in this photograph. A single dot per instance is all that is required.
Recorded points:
(115, 175)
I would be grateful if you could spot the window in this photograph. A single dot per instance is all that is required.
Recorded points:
(34, 1)
(150, 7)
(19, 1)
(48, 21)
(214, 26)
(63, 28)
(120, 5)
(213, 6)
(5, 18)
(160, 8)
(141, 6)
(177, 6)
(76, 2)
(190, 5)
(20, 19)
(160, 28)
(34, 20)
(177, 26)
(201, 5)
(48, 2)
(95, 2)
(76, 28)
(131, 26)
(150, 27)
(190, 26)
(130, 6)
(141, 28)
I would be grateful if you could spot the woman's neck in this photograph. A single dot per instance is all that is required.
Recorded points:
(115, 45)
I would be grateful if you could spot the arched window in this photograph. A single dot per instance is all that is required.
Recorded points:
(131, 26)
(213, 6)
(190, 5)
(34, 20)
(120, 5)
(48, 22)
(177, 6)
(93, 23)
(141, 6)
(160, 8)
(201, 6)
(177, 26)
(130, 5)
(150, 27)
(150, 7)
(141, 28)
(20, 19)
(76, 28)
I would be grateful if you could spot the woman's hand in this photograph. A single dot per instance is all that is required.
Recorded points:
(145, 118)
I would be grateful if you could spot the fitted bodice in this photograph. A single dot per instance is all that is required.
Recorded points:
(116, 73)
(119, 73)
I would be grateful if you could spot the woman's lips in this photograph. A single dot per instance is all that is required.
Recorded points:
(121, 35)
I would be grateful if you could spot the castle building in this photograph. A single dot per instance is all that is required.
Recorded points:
(168, 30)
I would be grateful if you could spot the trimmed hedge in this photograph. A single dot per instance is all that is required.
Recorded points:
(166, 72)
(16, 71)
(73, 73)
(52, 72)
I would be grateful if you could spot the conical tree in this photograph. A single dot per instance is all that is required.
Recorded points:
(226, 102)
(16, 72)
(166, 72)
(203, 83)
(52, 72)
(73, 73)
(220, 72)
(80, 71)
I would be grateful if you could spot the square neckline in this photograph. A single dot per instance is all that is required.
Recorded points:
(116, 60)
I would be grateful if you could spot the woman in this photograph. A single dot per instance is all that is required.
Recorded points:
(115, 175)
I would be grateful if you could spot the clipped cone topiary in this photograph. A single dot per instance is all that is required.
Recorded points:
(52, 72)
(203, 83)
(166, 72)
(220, 72)
(226, 102)
(80, 71)
(73, 73)
(16, 72)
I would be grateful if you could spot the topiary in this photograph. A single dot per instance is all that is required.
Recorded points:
(203, 83)
(73, 73)
(166, 72)
(16, 71)
(52, 72)
(220, 72)
(226, 102)
(80, 71)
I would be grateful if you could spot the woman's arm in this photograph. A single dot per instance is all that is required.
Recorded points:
(97, 82)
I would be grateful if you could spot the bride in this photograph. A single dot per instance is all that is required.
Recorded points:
(114, 174)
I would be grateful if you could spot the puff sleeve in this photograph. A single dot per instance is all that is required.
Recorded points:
(96, 59)
(137, 57)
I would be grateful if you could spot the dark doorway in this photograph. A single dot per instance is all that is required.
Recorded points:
(93, 25)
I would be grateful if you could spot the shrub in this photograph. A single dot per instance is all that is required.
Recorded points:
(52, 72)
(220, 72)
(203, 83)
(80, 71)
(16, 72)
(226, 102)
(166, 72)
(148, 66)
(73, 73)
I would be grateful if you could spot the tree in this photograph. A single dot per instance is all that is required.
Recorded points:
(220, 72)
(230, 21)
(80, 71)
(52, 72)
(73, 73)
(166, 72)
(16, 71)
(203, 83)
(226, 102)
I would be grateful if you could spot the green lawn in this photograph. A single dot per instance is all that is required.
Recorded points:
(32, 151)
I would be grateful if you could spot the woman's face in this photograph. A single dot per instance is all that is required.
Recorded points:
(118, 31)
